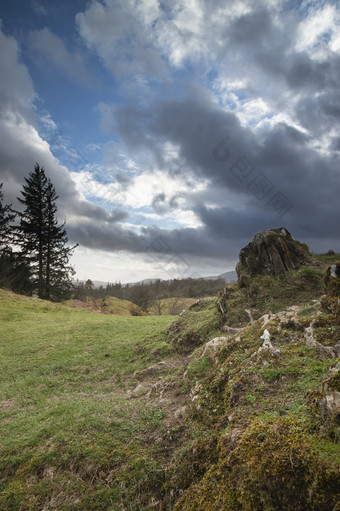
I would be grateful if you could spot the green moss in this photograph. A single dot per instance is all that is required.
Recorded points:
(271, 293)
(334, 382)
(195, 328)
(270, 374)
(193, 462)
(273, 466)
(332, 284)
(331, 304)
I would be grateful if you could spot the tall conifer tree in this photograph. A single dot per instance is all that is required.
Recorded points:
(44, 243)
(7, 215)
(14, 273)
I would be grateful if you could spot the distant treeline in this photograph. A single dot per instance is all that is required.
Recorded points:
(144, 295)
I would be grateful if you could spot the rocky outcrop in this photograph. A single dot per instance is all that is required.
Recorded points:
(271, 252)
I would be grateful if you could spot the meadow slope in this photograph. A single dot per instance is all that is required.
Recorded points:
(74, 430)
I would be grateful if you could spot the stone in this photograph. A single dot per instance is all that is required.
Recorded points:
(212, 345)
(267, 351)
(266, 339)
(271, 252)
(250, 315)
(327, 351)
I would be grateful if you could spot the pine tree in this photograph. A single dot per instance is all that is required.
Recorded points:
(7, 215)
(43, 243)
(14, 273)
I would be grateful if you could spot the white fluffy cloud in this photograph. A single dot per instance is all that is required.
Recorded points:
(116, 32)
(319, 31)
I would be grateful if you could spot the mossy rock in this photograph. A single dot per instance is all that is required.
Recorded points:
(332, 279)
(194, 328)
(271, 252)
(334, 381)
(273, 466)
(331, 304)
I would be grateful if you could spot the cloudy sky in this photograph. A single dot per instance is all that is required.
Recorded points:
(174, 130)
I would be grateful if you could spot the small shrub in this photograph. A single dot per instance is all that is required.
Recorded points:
(135, 310)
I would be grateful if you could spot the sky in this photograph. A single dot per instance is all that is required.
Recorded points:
(174, 130)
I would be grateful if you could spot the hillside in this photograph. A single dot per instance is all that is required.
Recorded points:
(108, 305)
(203, 412)
(75, 425)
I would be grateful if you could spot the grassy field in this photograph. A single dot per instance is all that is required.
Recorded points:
(76, 427)
(107, 412)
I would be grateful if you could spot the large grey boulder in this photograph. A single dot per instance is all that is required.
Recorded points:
(271, 252)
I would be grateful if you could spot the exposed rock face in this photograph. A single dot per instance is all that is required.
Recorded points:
(270, 253)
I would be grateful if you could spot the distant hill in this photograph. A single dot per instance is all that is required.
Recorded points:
(228, 276)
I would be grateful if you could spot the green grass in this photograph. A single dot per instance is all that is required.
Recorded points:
(197, 325)
(326, 258)
(71, 437)
(85, 428)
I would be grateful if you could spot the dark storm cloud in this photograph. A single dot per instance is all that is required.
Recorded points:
(157, 243)
(196, 126)
(211, 141)
(267, 47)
(335, 144)
(251, 29)
(297, 69)
(309, 179)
